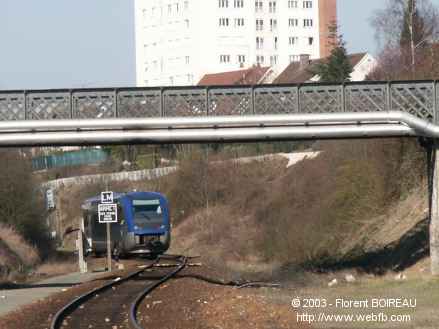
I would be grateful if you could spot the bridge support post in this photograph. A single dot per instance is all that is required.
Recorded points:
(434, 209)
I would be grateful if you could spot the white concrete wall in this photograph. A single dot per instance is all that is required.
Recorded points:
(138, 175)
(165, 38)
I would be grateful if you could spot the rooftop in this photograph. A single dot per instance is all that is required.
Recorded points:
(252, 75)
(299, 72)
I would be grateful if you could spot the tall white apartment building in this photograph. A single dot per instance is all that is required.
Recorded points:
(178, 41)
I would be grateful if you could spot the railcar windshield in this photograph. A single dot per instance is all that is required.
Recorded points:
(147, 213)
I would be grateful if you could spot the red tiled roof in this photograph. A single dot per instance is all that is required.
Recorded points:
(248, 76)
(294, 73)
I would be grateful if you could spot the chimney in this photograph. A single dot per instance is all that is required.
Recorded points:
(304, 60)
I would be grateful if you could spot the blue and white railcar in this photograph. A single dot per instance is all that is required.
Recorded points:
(143, 224)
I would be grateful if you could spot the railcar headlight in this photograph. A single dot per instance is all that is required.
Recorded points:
(163, 226)
(136, 227)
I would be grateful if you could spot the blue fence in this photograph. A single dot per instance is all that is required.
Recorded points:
(73, 158)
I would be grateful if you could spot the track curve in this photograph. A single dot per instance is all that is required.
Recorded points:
(104, 299)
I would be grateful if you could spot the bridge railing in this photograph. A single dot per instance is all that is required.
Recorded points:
(419, 98)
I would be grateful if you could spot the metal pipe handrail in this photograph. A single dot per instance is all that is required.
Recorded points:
(214, 122)
(165, 136)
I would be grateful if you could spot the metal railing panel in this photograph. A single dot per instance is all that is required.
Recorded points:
(94, 104)
(184, 102)
(416, 98)
(230, 101)
(419, 98)
(320, 98)
(139, 103)
(366, 97)
(12, 106)
(48, 105)
(276, 100)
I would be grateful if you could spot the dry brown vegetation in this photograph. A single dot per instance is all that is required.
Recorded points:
(16, 254)
(263, 212)
(302, 214)
(23, 231)
(15, 242)
(53, 268)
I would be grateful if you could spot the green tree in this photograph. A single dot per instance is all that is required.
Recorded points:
(337, 67)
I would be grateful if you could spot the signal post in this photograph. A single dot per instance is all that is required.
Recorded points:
(107, 214)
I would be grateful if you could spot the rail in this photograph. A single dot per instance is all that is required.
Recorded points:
(66, 311)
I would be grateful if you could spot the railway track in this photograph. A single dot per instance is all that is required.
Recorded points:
(115, 304)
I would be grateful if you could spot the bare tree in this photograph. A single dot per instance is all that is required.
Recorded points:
(407, 29)
(21, 205)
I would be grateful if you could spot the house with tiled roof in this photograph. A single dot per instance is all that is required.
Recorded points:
(251, 76)
(300, 72)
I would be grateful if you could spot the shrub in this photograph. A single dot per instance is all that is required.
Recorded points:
(305, 212)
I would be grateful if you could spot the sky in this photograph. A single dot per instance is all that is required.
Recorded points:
(90, 43)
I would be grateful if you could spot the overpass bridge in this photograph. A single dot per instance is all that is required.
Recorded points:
(229, 114)
(218, 113)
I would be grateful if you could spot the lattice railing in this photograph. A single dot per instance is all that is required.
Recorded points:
(419, 98)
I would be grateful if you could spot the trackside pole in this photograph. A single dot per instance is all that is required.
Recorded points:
(434, 218)
(82, 262)
(108, 247)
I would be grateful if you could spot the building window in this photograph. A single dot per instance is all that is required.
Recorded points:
(273, 24)
(224, 58)
(223, 3)
(171, 81)
(259, 24)
(307, 23)
(258, 6)
(273, 60)
(259, 42)
(275, 43)
(169, 9)
(310, 41)
(176, 7)
(239, 3)
(294, 58)
(186, 5)
(293, 40)
(223, 21)
(307, 4)
(187, 59)
(272, 6)
(190, 78)
(293, 22)
(292, 4)
(241, 59)
(186, 23)
(239, 22)
(260, 59)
